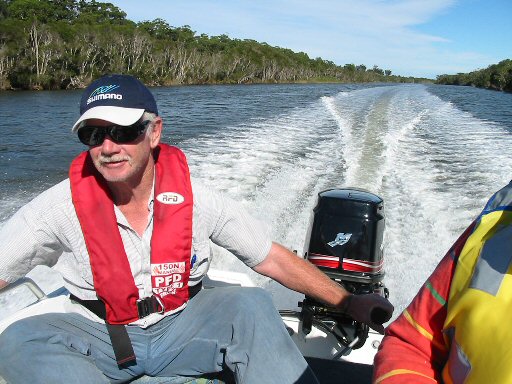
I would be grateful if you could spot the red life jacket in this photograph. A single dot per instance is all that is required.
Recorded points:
(171, 242)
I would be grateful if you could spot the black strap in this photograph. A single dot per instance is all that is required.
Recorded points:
(194, 290)
(123, 349)
(95, 306)
(119, 337)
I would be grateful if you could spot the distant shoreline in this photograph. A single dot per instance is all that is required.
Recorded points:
(36, 89)
(71, 43)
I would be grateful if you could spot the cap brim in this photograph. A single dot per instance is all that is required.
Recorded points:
(115, 115)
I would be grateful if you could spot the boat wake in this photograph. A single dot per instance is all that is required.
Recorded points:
(432, 163)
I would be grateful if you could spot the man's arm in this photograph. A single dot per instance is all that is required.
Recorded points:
(300, 275)
(3, 283)
(232, 228)
(29, 237)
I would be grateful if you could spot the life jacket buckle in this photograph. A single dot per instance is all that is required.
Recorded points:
(161, 304)
(149, 305)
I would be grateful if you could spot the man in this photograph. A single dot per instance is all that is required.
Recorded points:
(131, 229)
(456, 330)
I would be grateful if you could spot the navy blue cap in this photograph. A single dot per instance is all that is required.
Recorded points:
(119, 99)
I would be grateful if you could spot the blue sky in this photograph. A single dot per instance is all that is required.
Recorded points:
(422, 38)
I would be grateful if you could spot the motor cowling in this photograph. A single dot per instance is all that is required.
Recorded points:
(345, 241)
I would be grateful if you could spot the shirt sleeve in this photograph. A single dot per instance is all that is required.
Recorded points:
(230, 225)
(413, 349)
(27, 239)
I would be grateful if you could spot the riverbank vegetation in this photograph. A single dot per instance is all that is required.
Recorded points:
(496, 76)
(60, 44)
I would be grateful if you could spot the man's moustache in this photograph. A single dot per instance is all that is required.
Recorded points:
(113, 159)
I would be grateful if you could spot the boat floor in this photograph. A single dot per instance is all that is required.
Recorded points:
(330, 372)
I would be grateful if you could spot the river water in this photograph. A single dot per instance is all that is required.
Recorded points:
(433, 153)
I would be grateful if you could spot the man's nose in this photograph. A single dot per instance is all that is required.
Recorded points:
(109, 145)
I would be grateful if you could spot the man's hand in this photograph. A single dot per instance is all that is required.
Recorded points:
(300, 275)
(371, 309)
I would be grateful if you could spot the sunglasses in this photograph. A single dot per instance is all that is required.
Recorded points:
(93, 135)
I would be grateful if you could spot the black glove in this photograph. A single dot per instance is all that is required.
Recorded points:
(371, 309)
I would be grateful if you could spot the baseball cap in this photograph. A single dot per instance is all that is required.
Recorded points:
(119, 99)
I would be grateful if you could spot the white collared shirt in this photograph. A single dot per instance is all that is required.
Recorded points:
(46, 231)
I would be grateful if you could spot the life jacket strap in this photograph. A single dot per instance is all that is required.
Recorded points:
(122, 345)
(119, 337)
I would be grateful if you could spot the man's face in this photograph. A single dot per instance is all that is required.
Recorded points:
(123, 163)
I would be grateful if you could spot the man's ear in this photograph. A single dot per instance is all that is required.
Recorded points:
(156, 132)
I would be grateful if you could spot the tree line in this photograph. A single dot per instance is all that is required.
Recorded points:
(61, 44)
(496, 76)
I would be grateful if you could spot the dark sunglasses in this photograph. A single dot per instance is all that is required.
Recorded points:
(93, 135)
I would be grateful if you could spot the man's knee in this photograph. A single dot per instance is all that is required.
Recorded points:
(13, 334)
(28, 333)
(12, 340)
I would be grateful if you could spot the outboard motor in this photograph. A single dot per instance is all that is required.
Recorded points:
(345, 241)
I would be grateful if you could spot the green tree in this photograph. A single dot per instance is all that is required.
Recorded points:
(157, 28)
(93, 12)
(28, 10)
(67, 43)
(495, 76)
(63, 10)
(3, 9)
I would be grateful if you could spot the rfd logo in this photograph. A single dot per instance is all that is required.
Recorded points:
(170, 198)
(166, 281)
